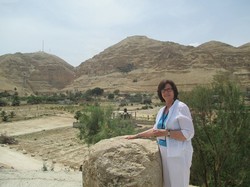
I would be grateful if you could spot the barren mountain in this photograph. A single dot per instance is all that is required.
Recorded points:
(34, 72)
(138, 63)
(135, 64)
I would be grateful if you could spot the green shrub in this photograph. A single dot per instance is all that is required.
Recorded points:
(3, 102)
(12, 114)
(77, 115)
(111, 96)
(98, 123)
(3, 113)
(4, 139)
(5, 118)
(221, 141)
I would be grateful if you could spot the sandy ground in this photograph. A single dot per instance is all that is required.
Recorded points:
(18, 160)
(27, 170)
(25, 178)
(35, 125)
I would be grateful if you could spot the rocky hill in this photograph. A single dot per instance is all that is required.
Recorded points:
(34, 72)
(135, 64)
(138, 63)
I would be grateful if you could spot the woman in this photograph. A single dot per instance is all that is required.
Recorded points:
(174, 131)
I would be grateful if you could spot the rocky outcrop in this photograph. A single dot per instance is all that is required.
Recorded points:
(121, 162)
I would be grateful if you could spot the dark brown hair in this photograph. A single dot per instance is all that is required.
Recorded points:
(162, 85)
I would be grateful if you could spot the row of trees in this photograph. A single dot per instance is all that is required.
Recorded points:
(73, 97)
(7, 98)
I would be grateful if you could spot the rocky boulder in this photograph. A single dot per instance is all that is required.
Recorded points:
(121, 162)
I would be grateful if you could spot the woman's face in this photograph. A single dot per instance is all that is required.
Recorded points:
(167, 93)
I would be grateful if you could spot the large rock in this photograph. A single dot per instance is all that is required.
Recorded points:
(121, 162)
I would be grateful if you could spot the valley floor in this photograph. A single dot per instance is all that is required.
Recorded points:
(40, 139)
(49, 143)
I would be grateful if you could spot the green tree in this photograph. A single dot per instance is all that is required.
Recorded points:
(126, 68)
(15, 99)
(5, 117)
(88, 95)
(98, 123)
(4, 94)
(92, 118)
(34, 99)
(3, 113)
(221, 141)
(116, 92)
(77, 115)
(12, 114)
(97, 91)
(3, 102)
(135, 98)
(111, 96)
(147, 100)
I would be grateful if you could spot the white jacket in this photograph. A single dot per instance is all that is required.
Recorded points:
(179, 118)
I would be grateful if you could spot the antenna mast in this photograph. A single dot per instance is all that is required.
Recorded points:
(43, 46)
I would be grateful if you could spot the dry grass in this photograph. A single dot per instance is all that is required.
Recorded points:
(59, 146)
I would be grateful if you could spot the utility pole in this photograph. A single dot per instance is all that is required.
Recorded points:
(43, 46)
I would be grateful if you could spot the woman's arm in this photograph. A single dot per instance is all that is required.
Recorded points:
(177, 135)
(144, 134)
(186, 131)
(174, 134)
(186, 123)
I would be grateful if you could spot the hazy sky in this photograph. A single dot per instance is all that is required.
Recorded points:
(76, 30)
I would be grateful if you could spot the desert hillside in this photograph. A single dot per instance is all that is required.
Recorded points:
(135, 64)
(34, 72)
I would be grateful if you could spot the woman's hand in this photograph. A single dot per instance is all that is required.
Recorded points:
(159, 132)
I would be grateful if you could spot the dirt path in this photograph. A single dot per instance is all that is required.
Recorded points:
(18, 160)
(38, 138)
(35, 125)
(27, 168)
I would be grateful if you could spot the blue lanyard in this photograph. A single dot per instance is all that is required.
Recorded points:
(163, 118)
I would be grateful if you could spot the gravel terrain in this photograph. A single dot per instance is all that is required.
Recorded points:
(49, 140)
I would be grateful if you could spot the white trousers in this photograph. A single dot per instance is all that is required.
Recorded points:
(176, 170)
